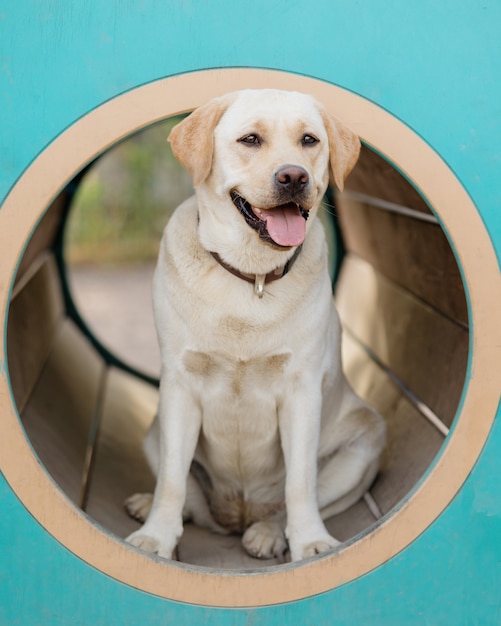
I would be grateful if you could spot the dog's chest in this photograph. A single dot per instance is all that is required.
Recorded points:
(240, 377)
(239, 400)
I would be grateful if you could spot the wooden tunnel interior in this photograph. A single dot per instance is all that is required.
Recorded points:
(400, 296)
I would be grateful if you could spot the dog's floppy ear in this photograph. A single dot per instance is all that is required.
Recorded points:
(344, 148)
(192, 140)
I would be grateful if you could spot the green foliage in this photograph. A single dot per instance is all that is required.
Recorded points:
(124, 201)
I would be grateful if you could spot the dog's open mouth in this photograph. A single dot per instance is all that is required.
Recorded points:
(283, 225)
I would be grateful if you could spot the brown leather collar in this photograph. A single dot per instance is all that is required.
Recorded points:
(259, 280)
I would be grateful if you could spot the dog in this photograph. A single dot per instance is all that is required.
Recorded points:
(258, 432)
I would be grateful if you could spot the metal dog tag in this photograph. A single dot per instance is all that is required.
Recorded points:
(259, 285)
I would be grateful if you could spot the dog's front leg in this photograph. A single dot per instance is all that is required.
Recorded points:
(179, 421)
(299, 421)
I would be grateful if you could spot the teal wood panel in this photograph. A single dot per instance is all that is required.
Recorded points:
(433, 65)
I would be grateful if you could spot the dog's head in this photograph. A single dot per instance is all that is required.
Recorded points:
(268, 155)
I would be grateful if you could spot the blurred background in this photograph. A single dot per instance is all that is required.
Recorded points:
(124, 201)
(112, 236)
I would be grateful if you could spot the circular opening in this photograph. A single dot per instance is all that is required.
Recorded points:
(393, 310)
(65, 368)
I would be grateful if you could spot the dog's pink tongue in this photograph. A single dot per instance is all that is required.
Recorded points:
(286, 226)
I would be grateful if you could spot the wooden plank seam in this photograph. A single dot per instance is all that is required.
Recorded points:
(92, 440)
(423, 408)
(392, 207)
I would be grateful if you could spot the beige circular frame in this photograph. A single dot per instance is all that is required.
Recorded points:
(139, 108)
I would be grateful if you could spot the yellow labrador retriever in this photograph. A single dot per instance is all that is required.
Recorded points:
(252, 395)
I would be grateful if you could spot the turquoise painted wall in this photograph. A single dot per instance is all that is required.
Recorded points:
(434, 65)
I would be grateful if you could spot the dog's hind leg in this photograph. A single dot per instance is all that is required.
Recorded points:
(196, 508)
(345, 477)
(138, 505)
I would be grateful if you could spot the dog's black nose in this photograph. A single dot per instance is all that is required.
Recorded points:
(292, 178)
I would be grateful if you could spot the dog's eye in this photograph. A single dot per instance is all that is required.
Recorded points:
(252, 140)
(309, 140)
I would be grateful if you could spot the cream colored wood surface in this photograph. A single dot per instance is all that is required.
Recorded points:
(414, 254)
(412, 442)
(376, 177)
(426, 350)
(59, 414)
(119, 466)
(45, 234)
(35, 314)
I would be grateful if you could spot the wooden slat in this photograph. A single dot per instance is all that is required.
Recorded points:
(351, 522)
(59, 413)
(34, 316)
(412, 441)
(414, 254)
(426, 350)
(374, 176)
(44, 235)
(119, 467)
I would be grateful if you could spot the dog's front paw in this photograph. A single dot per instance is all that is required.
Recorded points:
(149, 543)
(317, 547)
(265, 540)
(138, 505)
(306, 549)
